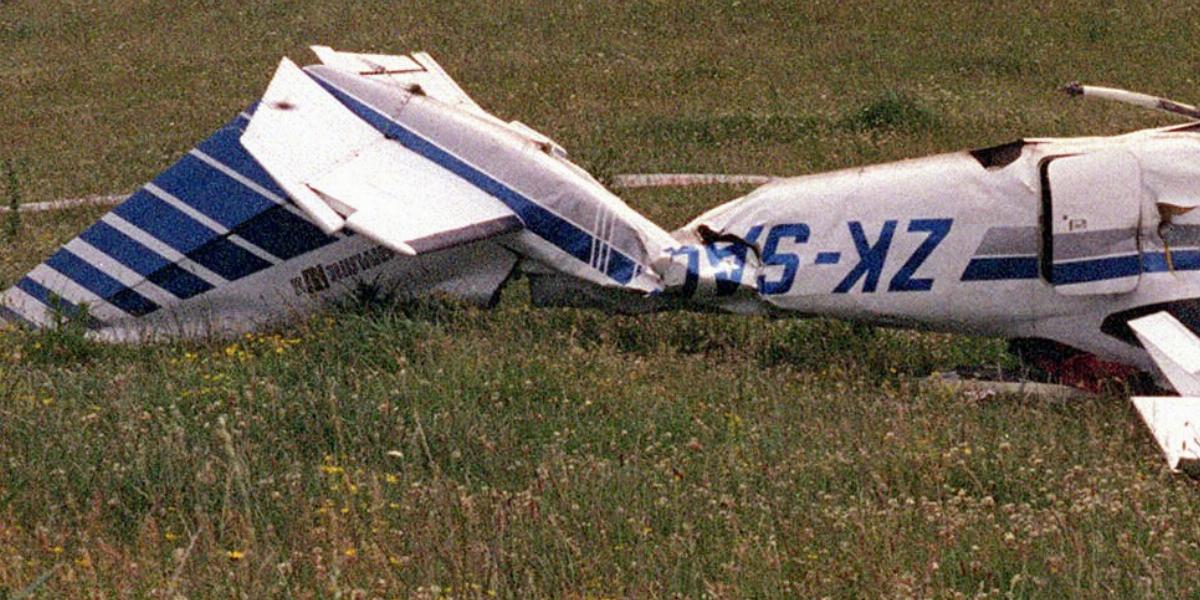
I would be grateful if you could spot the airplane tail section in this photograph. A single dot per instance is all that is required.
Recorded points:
(212, 218)
(261, 221)
(1174, 421)
(418, 170)
(216, 245)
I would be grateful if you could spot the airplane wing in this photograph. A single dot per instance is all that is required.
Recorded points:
(1174, 349)
(347, 174)
(1174, 422)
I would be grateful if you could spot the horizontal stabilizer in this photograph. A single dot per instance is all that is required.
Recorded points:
(1174, 349)
(1175, 424)
(345, 173)
(418, 72)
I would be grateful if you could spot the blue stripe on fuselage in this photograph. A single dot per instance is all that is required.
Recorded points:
(1082, 271)
(1099, 269)
(998, 269)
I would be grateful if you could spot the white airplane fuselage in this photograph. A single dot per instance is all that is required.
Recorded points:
(1036, 239)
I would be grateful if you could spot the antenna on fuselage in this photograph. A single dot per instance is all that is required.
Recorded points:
(1125, 96)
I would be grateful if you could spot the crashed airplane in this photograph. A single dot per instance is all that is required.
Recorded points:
(379, 170)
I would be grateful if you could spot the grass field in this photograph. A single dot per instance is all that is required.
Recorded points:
(439, 451)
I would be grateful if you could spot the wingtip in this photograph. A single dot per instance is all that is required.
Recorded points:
(1172, 422)
(324, 53)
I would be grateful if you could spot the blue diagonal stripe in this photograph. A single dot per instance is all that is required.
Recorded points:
(122, 248)
(55, 302)
(227, 259)
(179, 231)
(13, 316)
(178, 281)
(213, 193)
(283, 234)
(165, 222)
(144, 261)
(97, 282)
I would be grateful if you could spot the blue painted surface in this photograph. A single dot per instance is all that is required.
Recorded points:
(211, 192)
(871, 257)
(283, 234)
(56, 303)
(828, 258)
(997, 269)
(558, 231)
(101, 284)
(144, 261)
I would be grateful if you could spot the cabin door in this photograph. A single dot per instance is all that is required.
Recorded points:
(1091, 214)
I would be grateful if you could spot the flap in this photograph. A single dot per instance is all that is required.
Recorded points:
(299, 132)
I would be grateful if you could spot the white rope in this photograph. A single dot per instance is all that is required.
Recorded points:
(642, 180)
(624, 181)
(98, 200)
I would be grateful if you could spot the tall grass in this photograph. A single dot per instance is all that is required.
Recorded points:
(436, 450)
